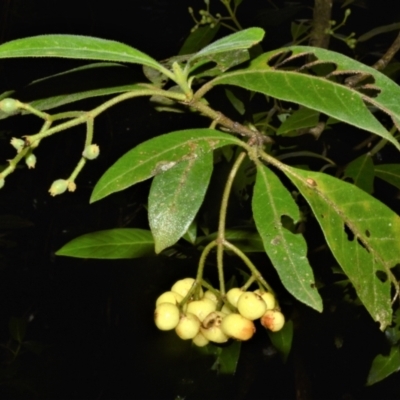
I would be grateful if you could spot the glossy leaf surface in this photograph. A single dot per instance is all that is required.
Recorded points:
(286, 250)
(319, 93)
(362, 233)
(74, 46)
(157, 155)
(111, 244)
(175, 198)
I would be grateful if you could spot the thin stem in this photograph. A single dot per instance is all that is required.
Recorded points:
(232, 14)
(255, 272)
(222, 220)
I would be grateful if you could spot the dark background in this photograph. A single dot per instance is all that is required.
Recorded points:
(93, 319)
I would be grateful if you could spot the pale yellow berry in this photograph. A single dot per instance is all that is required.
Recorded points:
(200, 340)
(188, 326)
(251, 306)
(233, 295)
(238, 327)
(268, 298)
(210, 295)
(166, 316)
(211, 327)
(201, 308)
(183, 286)
(273, 320)
(169, 297)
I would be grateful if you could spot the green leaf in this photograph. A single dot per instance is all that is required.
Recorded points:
(229, 357)
(361, 172)
(191, 233)
(378, 31)
(236, 41)
(99, 79)
(157, 155)
(300, 119)
(389, 173)
(383, 366)
(17, 328)
(362, 233)
(111, 244)
(199, 39)
(282, 340)
(288, 251)
(319, 93)
(78, 47)
(175, 198)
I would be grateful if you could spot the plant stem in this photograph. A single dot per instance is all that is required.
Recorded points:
(255, 272)
(222, 220)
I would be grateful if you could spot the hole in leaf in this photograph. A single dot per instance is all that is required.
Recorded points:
(367, 233)
(277, 59)
(349, 179)
(312, 285)
(349, 233)
(288, 223)
(382, 276)
(362, 244)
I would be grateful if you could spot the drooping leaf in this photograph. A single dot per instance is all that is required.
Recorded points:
(300, 119)
(175, 198)
(111, 244)
(362, 233)
(236, 41)
(199, 39)
(378, 31)
(383, 366)
(77, 47)
(320, 93)
(157, 155)
(282, 340)
(229, 357)
(389, 173)
(361, 172)
(286, 250)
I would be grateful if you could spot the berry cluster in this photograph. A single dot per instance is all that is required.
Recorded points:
(213, 319)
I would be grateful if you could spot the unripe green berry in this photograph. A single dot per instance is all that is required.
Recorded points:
(273, 320)
(18, 144)
(30, 161)
(9, 106)
(58, 187)
(91, 152)
(166, 316)
(238, 327)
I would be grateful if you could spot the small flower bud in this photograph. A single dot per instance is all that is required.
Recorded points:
(18, 144)
(58, 187)
(30, 161)
(91, 152)
(9, 106)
